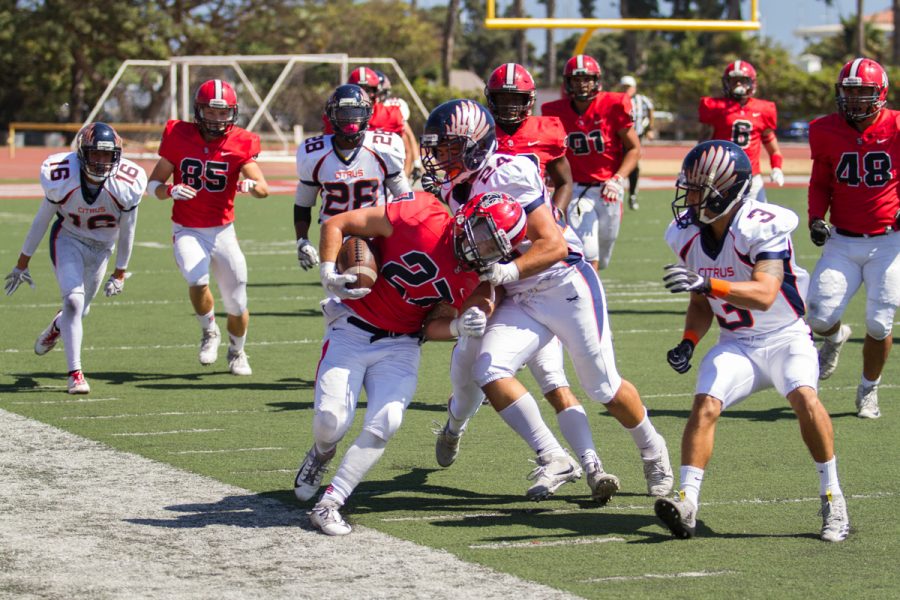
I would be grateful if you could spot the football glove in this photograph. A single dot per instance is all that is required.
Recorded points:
(246, 186)
(613, 189)
(679, 278)
(114, 286)
(500, 273)
(471, 323)
(430, 185)
(679, 357)
(335, 283)
(307, 254)
(819, 232)
(16, 278)
(777, 177)
(181, 192)
(416, 173)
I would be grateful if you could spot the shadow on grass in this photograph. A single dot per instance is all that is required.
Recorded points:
(267, 509)
(32, 382)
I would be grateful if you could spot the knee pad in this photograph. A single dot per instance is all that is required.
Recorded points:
(330, 426)
(235, 300)
(818, 321)
(386, 422)
(73, 304)
(878, 330)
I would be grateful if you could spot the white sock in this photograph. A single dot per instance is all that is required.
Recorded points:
(463, 404)
(573, 423)
(691, 480)
(208, 320)
(71, 329)
(524, 417)
(361, 456)
(648, 441)
(866, 383)
(236, 343)
(828, 478)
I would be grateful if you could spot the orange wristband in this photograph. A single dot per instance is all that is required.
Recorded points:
(691, 336)
(719, 288)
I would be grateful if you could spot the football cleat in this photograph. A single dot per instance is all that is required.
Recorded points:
(48, 338)
(326, 518)
(209, 345)
(309, 476)
(603, 485)
(78, 384)
(552, 471)
(829, 353)
(446, 447)
(679, 514)
(835, 521)
(238, 363)
(867, 402)
(633, 203)
(658, 473)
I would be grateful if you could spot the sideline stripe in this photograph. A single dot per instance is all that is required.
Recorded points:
(660, 576)
(176, 431)
(540, 544)
(226, 450)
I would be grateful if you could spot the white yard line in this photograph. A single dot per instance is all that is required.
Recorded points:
(686, 574)
(80, 520)
(541, 544)
(174, 432)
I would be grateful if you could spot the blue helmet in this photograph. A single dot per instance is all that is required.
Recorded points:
(349, 109)
(720, 172)
(98, 137)
(459, 137)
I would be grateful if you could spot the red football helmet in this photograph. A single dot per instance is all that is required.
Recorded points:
(582, 77)
(487, 229)
(861, 89)
(510, 93)
(365, 78)
(217, 95)
(739, 80)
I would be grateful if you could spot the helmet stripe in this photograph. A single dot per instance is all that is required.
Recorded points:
(219, 92)
(855, 67)
(737, 66)
(579, 61)
(510, 73)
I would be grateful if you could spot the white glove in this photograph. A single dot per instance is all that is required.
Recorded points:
(777, 177)
(334, 282)
(182, 192)
(114, 286)
(246, 186)
(500, 273)
(679, 278)
(15, 279)
(613, 189)
(307, 254)
(470, 324)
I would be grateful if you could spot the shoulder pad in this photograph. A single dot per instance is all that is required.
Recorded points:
(60, 173)
(128, 184)
(760, 222)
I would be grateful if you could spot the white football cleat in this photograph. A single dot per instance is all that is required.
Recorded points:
(835, 521)
(867, 402)
(238, 363)
(48, 338)
(209, 345)
(829, 353)
(78, 384)
(679, 514)
(309, 475)
(658, 473)
(552, 471)
(603, 485)
(446, 447)
(327, 519)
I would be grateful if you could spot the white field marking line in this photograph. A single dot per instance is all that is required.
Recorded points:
(248, 471)
(72, 401)
(659, 576)
(225, 451)
(162, 347)
(176, 431)
(540, 544)
(128, 303)
(163, 414)
(631, 507)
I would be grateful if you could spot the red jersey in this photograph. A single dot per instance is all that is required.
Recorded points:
(384, 118)
(212, 168)
(854, 175)
(541, 138)
(595, 150)
(418, 267)
(743, 125)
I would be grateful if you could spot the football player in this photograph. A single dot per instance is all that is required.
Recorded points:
(737, 262)
(413, 166)
(550, 291)
(350, 168)
(94, 194)
(603, 150)
(384, 117)
(854, 181)
(373, 335)
(747, 121)
(211, 160)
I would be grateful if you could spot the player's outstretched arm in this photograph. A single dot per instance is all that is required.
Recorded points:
(696, 323)
(254, 181)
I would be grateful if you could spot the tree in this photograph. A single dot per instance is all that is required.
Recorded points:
(518, 11)
(449, 40)
(550, 56)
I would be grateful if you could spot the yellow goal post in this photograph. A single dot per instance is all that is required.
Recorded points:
(491, 21)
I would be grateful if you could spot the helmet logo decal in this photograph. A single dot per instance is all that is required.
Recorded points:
(468, 120)
(714, 169)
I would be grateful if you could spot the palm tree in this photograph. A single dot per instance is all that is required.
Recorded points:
(449, 35)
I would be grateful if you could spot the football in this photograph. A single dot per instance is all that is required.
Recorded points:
(356, 257)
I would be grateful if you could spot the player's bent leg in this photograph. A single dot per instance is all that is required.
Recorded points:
(49, 337)
(72, 328)
(815, 423)
(609, 220)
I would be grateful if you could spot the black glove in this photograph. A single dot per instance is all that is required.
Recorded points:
(819, 232)
(679, 357)
(430, 185)
(679, 278)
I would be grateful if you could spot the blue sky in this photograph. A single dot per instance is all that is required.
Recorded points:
(779, 17)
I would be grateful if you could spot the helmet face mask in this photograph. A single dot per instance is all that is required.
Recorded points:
(349, 110)
(487, 229)
(99, 150)
(861, 89)
(459, 137)
(215, 108)
(510, 93)
(582, 78)
(739, 80)
(714, 177)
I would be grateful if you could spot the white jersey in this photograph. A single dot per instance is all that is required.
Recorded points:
(759, 231)
(519, 177)
(83, 214)
(370, 176)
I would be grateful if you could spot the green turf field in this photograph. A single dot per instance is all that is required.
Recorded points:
(758, 530)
